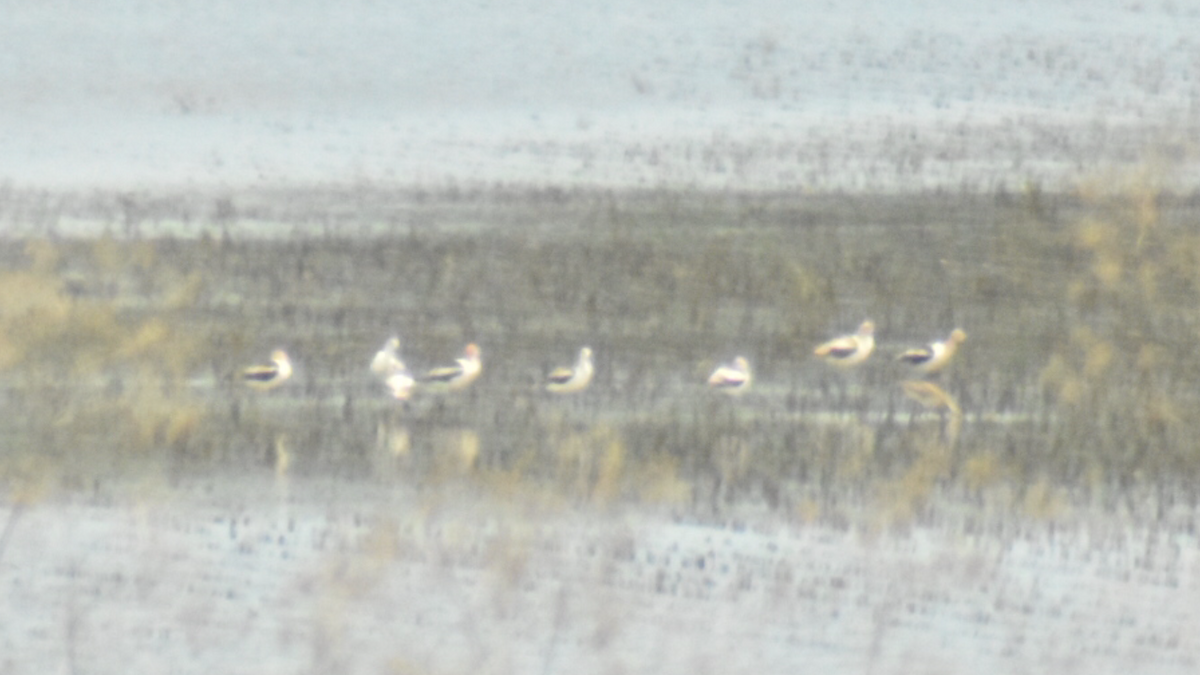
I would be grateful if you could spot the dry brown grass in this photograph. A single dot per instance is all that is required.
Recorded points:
(100, 385)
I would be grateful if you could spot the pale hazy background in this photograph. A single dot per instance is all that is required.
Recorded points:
(761, 95)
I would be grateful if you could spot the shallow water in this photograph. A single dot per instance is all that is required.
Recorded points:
(757, 95)
(249, 573)
(185, 186)
(171, 518)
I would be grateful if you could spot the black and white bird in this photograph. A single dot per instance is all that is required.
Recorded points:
(269, 376)
(732, 378)
(849, 350)
(456, 377)
(935, 355)
(569, 380)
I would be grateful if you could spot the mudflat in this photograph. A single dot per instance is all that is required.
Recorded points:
(161, 513)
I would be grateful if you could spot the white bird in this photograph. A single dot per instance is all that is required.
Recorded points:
(458, 376)
(935, 355)
(732, 378)
(390, 369)
(570, 380)
(849, 350)
(264, 377)
(400, 384)
(387, 360)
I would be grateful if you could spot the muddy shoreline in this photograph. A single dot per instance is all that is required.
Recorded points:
(505, 530)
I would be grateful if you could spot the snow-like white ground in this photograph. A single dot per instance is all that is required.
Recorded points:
(245, 575)
(758, 95)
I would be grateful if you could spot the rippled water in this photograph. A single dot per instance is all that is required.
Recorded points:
(167, 518)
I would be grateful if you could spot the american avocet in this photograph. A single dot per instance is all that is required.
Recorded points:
(732, 378)
(459, 376)
(849, 350)
(400, 384)
(935, 355)
(570, 380)
(389, 367)
(266, 377)
(387, 360)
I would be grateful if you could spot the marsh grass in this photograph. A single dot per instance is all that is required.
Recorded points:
(1121, 377)
(93, 384)
(1076, 379)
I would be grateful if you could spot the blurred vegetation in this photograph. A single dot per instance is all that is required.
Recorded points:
(1121, 376)
(1073, 388)
(92, 384)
